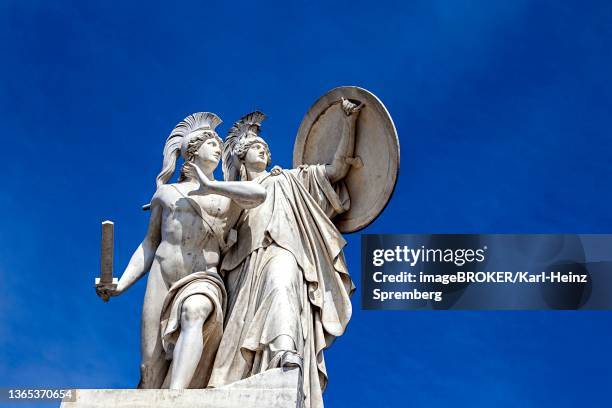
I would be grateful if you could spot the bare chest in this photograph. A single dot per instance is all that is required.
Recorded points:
(210, 207)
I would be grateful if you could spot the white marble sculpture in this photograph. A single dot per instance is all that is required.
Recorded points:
(224, 305)
(288, 284)
(182, 318)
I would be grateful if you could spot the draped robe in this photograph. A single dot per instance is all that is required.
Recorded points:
(309, 303)
(206, 283)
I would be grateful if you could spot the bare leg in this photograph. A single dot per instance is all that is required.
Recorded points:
(190, 343)
(153, 365)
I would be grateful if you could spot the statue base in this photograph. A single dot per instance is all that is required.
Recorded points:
(276, 388)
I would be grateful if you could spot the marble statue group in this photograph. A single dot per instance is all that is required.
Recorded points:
(248, 273)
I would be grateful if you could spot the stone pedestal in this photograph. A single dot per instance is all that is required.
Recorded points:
(276, 388)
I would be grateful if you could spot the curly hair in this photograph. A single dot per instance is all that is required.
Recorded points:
(194, 144)
(243, 146)
(199, 121)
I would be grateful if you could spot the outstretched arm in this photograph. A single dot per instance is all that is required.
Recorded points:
(246, 194)
(343, 158)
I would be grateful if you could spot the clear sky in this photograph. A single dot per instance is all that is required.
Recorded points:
(504, 113)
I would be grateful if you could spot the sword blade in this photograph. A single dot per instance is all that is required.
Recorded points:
(106, 259)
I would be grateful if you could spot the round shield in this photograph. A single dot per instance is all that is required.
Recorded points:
(372, 176)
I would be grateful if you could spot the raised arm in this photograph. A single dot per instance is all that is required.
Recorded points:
(343, 159)
(246, 194)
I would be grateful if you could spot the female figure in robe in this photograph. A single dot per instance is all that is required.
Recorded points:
(287, 281)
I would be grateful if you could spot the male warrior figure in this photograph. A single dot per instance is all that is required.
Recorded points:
(287, 280)
(187, 233)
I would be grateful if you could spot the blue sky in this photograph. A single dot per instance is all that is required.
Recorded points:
(504, 113)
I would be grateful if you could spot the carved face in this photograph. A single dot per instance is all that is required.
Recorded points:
(209, 152)
(256, 157)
